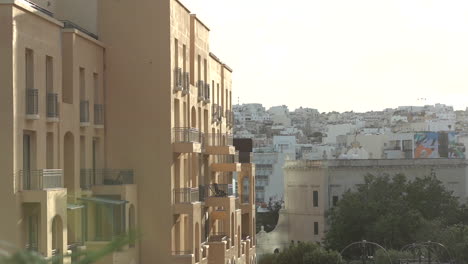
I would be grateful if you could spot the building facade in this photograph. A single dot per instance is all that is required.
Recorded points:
(313, 187)
(118, 117)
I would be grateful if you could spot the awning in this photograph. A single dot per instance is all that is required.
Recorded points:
(103, 200)
(71, 206)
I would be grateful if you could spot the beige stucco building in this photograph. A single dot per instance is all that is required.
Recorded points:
(116, 117)
(313, 187)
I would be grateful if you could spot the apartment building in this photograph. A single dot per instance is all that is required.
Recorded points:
(117, 117)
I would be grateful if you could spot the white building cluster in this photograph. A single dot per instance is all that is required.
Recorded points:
(405, 132)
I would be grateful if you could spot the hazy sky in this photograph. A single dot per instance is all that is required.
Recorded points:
(342, 54)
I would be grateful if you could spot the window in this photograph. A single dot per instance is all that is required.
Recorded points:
(315, 198)
(49, 74)
(316, 228)
(335, 200)
(184, 57)
(82, 84)
(29, 69)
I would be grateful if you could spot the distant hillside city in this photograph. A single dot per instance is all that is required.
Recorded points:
(405, 132)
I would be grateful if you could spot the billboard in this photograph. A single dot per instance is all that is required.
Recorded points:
(430, 145)
(426, 145)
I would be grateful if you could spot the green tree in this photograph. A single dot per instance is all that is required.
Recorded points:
(391, 211)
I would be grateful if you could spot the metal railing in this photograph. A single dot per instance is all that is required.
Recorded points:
(201, 90)
(218, 237)
(32, 102)
(186, 82)
(216, 113)
(216, 190)
(41, 179)
(186, 195)
(84, 111)
(32, 247)
(245, 198)
(227, 158)
(99, 114)
(69, 24)
(207, 92)
(52, 105)
(39, 8)
(91, 177)
(216, 139)
(178, 79)
(186, 135)
(229, 118)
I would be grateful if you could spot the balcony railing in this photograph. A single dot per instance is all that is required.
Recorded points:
(229, 118)
(69, 24)
(39, 8)
(32, 102)
(216, 113)
(186, 195)
(245, 198)
(207, 93)
(216, 190)
(227, 158)
(41, 179)
(91, 177)
(218, 237)
(187, 135)
(186, 83)
(99, 114)
(216, 139)
(84, 111)
(52, 105)
(178, 79)
(201, 90)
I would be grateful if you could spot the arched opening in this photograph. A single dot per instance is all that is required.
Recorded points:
(197, 242)
(232, 230)
(57, 236)
(69, 161)
(131, 223)
(193, 120)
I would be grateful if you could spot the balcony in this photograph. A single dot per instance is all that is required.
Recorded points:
(92, 177)
(207, 94)
(99, 115)
(216, 190)
(226, 163)
(219, 144)
(32, 104)
(229, 118)
(178, 80)
(84, 113)
(52, 107)
(186, 195)
(216, 113)
(219, 245)
(187, 140)
(201, 90)
(186, 83)
(34, 180)
(183, 257)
